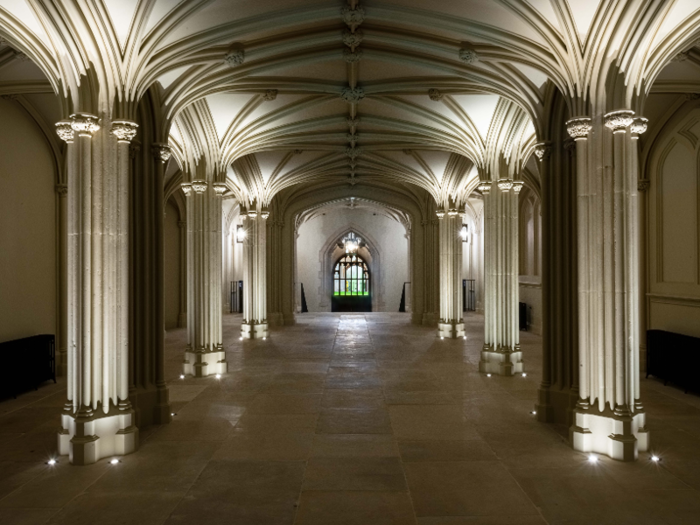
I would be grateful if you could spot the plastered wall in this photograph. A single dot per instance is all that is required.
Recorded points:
(28, 265)
(385, 233)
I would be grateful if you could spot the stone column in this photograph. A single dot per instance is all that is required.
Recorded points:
(451, 324)
(182, 318)
(501, 353)
(254, 324)
(61, 266)
(205, 353)
(98, 420)
(609, 418)
(274, 272)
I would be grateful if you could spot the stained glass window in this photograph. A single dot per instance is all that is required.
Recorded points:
(351, 276)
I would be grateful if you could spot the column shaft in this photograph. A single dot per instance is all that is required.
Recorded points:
(255, 325)
(451, 324)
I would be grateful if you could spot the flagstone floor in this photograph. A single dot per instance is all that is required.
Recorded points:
(351, 420)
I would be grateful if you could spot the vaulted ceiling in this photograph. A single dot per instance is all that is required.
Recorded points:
(281, 92)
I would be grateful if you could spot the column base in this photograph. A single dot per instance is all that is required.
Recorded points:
(182, 320)
(202, 363)
(430, 319)
(87, 436)
(254, 330)
(450, 330)
(617, 434)
(556, 406)
(275, 319)
(290, 319)
(503, 361)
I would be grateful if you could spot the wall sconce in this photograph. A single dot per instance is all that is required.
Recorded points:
(240, 233)
(464, 233)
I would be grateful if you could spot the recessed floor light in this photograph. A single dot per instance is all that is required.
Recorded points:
(218, 376)
(182, 376)
(51, 462)
(488, 375)
(442, 338)
(114, 461)
(592, 459)
(655, 458)
(524, 374)
(534, 412)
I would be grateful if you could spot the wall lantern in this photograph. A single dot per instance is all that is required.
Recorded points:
(464, 233)
(240, 233)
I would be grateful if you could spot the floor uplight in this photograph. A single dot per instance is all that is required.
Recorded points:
(218, 376)
(264, 338)
(524, 374)
(51, 462)
(465, 337)
(442, 338)
(592, 459)
(488, 375)
(240, 339)
(534, 412)
(114, 461)
(655, 458)
(182, 376)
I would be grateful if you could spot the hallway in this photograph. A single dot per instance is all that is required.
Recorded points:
(351, 419)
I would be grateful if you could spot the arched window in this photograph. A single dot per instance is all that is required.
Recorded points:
(350, 276)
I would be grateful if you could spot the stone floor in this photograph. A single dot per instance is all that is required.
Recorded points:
(352, 419)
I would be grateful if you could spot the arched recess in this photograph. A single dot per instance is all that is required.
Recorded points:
(415, 202)
(329, 253)
(670, 251)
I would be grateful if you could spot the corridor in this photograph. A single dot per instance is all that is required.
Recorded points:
(351, 419)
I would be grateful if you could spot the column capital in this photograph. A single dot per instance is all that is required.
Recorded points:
(542, 150)
(182, 224)
(638, 126)
(160, 151)
(124, 130)
(252, 213)
(643, 184)
(61, 189)
(264, 213)
(199, 186)
(579, 127)
(84, 124)
(64, 129)
(186, 188)
(505, 184)
(484, 187)
(619, 121)
(219, 188)
(440, 212)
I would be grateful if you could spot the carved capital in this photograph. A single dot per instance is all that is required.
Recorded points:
(61, 189)
(219, 188)
(434, 94)
(84, 124)
(351, 39)
(468, 55)
(579, 127)
(264, 213)
(124, 130)
(517, 186)
(252, 213)
(452, 212)
(64, 129)
(639, 125)
(199, 186)
(484, 187)
(643, 184)
(161, 151)
(505, 184)
(352, 95)
(270, 94)
(351, 56)
(440, 212)
(186, 188)
(542, 151)
(182, 224)
(619, 121)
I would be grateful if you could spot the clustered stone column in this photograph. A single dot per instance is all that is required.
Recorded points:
(98, 419)
(182, 317)
(501, 353)
(609, 417)
(255, 324)
(451, 324)
(205, 353)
